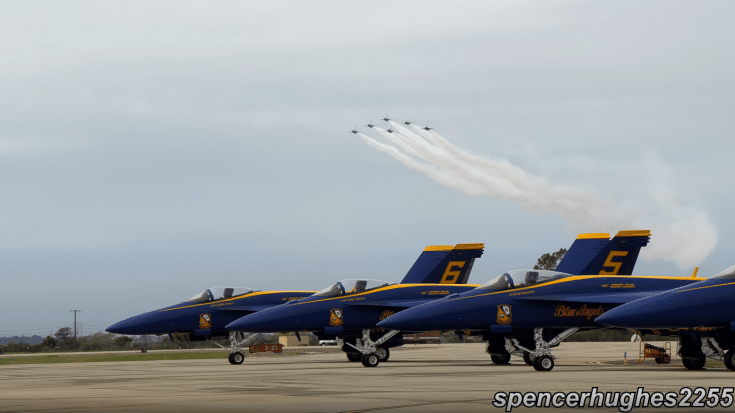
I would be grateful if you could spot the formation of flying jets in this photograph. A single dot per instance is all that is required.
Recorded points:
(390, 130)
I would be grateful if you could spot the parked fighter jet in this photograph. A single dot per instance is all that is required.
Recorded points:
(701, 314)
(349, 309)
(536, 310)
(206, 314)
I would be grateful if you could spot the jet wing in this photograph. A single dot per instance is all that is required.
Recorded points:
(614, 298)
(391, 303)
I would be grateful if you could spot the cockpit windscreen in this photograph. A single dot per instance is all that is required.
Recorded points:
(347, 287)
(522, 278)
(218, 293)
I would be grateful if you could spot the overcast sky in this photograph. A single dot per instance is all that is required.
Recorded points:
(150, 150)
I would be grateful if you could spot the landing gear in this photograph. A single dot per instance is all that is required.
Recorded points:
(694, 363)
(236, 358)
(541, 358)
(354, 356)
(500, 360)
(237, 341)
(371, 351)
(544, 363)
(370, 360)
(730, 359)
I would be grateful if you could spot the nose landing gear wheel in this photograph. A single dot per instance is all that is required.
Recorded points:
(236, 358)
(383, 354)
(500, 360)
(370, 360)
(730, 359)
(354, 356)
(527, 358)
(543, 363)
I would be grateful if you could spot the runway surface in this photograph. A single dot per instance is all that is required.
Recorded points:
(417, 378)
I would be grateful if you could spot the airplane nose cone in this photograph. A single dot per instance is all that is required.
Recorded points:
(149, 323)
(428, 317)
(268, 321)
(133, 325)
(665, 310)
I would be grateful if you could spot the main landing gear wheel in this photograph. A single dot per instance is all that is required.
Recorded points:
(730, 359)
(543, 363)
(528, 358)
(370, 360)
(383, 354)
(694, 363)
(500, 360)
(354, 356)
(236, 358)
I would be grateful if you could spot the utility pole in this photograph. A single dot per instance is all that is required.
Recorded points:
(75, 327)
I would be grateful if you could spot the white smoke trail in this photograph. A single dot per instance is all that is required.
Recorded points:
(682, 234)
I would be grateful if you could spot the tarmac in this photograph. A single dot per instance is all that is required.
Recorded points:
(417, 378)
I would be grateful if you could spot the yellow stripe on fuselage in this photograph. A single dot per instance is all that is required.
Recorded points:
(239, 297)
(706, 286)
(579, 278)
(391, 287)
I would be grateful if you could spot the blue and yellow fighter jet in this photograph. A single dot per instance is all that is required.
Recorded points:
(205, 315)
(528, 312)
(701, 314)
(350, 309)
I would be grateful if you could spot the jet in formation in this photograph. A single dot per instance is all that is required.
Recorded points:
(701, 314)
(535, 310)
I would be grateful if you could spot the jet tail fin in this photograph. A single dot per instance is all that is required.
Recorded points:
(444, 264)
(620, 254)
(584, 249)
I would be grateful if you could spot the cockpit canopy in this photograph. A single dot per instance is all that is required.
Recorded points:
(522, 278)
(347, 287)
(727, 274)
(218, 293)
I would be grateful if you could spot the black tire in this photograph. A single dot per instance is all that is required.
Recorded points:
(354, 356)
(659, 360)
(694, 363)
(237, 358)
(370, 360)
(543, 363)
(527, 358)
(666, 359)
(383, 353)
(229, 358)
(730, 359)
(500, 360)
